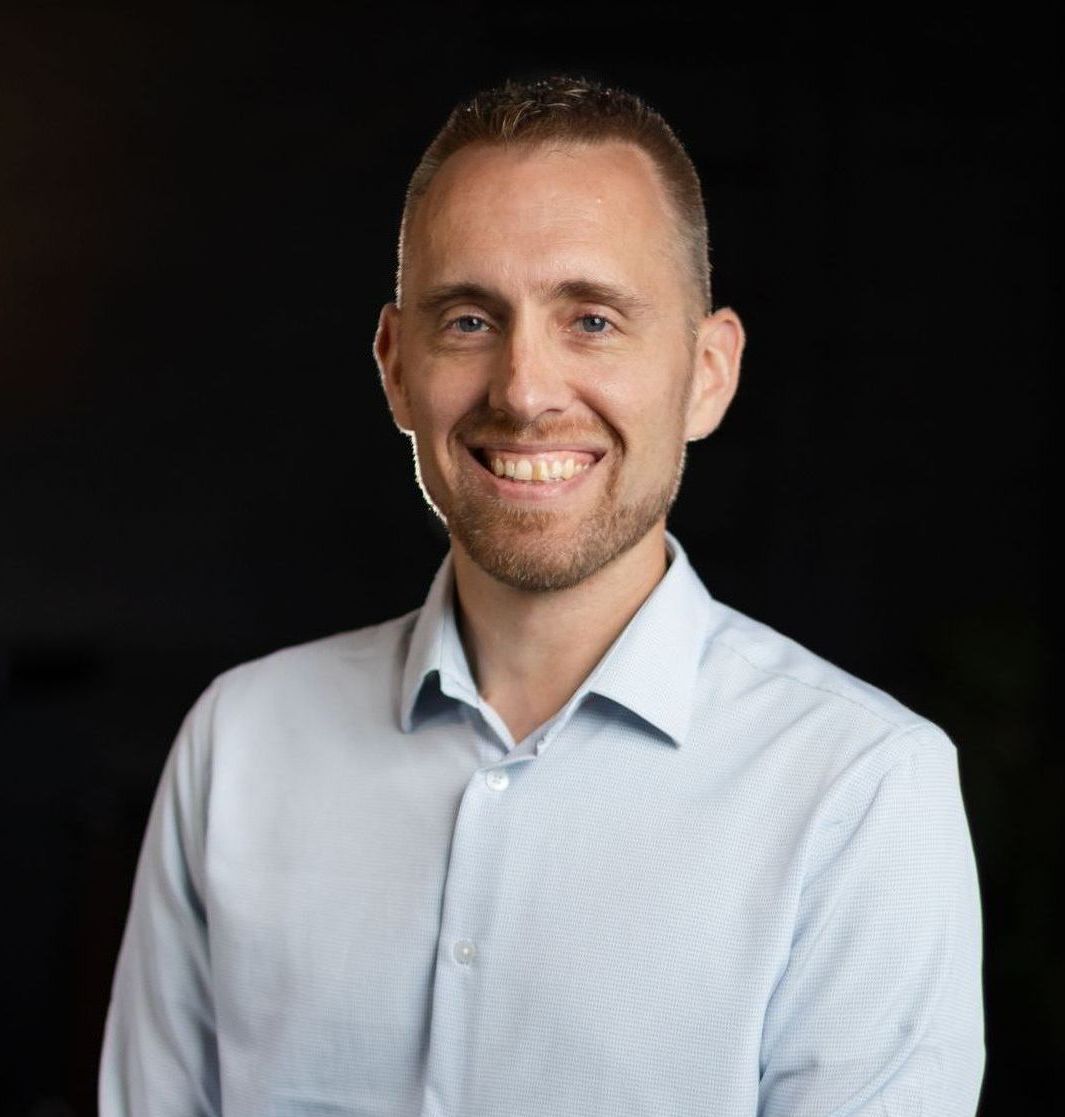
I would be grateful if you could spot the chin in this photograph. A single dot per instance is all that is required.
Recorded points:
(528, 555)
(523, 572)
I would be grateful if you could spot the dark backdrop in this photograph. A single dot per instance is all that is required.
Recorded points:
(197, 220)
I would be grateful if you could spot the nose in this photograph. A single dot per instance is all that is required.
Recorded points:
(529, 378)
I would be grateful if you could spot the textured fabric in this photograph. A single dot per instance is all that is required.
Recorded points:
(726, 879)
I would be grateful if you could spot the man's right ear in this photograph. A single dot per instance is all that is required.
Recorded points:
(386, 353)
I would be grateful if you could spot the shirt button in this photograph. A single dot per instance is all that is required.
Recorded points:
(497, 779)
(464, 952)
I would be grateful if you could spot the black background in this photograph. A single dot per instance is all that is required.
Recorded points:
(197, 224)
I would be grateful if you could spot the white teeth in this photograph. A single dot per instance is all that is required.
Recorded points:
(539, 470)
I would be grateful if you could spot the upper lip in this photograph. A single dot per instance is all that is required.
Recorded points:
(535, 448)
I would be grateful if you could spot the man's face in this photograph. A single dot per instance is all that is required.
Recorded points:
(543, 359)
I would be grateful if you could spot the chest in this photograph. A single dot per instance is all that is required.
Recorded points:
(609, 914)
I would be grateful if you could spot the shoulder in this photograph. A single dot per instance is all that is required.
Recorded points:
(265, 722)
(803, 711)
(762, 653)
(357, 649)
(317, 681)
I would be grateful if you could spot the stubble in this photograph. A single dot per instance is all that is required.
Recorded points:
(527, 548)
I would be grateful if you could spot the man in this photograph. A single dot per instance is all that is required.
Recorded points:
(574, 838)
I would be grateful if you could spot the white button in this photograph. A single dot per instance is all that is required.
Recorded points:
(497, 779)
(464, 952)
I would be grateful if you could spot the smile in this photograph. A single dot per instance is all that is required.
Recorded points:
(541, 467)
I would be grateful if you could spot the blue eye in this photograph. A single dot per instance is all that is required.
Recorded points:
(469, 320)
(597, 323)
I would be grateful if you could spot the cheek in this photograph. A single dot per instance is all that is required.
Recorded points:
(445, 395)
(435, 413)
(647, 418)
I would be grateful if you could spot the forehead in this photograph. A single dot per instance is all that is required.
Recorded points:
(524, 209)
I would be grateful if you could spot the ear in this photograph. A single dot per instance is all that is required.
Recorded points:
(719, 345)
(386, 353)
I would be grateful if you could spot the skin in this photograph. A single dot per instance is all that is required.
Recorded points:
(522, 359)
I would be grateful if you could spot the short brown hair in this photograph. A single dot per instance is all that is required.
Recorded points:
(578, 111)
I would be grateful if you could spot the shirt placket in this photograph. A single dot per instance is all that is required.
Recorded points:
(465, 943)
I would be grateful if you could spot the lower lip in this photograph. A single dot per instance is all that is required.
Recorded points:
(530, 490)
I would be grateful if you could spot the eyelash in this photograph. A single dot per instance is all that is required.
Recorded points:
(579, 318)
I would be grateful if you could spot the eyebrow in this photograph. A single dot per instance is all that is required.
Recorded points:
(575, 290)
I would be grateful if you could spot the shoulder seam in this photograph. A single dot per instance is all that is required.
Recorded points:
(893, 723)
(313, 642)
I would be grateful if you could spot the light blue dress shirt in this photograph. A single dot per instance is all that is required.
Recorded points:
(726, 879)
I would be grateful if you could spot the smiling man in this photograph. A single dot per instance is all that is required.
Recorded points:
(574, 837)
(547, 361)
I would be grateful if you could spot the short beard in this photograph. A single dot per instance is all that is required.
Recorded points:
(514, 545)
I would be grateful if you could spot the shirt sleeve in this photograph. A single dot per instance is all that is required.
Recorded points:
(879, 1010)
(160, 1052)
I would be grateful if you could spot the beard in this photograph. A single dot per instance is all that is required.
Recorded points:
(522, 548)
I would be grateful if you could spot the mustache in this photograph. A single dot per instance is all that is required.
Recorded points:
(479, 428)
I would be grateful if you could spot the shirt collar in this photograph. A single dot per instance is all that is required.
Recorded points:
(650, 669)
(435, 653)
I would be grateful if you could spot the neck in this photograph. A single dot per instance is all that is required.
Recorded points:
(530, 651)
